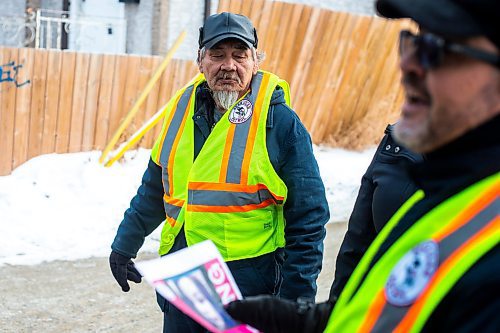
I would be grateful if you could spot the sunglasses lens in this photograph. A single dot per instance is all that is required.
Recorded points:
(426, 48)
(429, 51)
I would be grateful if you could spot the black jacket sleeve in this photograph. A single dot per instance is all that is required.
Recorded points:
(385, 186)
(144, 214)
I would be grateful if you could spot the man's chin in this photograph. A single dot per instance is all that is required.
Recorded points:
(410, 134)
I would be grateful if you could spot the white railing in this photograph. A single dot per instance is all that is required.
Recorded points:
(50, 29)
(18, 30)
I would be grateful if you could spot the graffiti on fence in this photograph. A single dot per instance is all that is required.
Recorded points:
(9, 73)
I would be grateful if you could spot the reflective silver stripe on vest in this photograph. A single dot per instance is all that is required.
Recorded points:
(392, 315)
(241, 137)
(171, 210)
(223, 198)
(172, 131)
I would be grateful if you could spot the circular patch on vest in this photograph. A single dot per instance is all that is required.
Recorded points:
(241, 112)
(412, 274)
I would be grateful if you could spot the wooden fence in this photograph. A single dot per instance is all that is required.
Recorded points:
(342, 70)
(53, 101)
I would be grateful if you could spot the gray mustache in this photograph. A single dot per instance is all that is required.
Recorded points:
(228, 75)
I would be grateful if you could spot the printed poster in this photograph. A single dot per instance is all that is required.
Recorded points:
(198, 282)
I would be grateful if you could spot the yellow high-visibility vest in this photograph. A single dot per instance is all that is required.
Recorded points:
(231, 193)
(408, 282)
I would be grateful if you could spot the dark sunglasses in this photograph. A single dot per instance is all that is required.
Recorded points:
(430, 49)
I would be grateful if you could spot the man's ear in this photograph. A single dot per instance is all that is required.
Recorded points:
(198, 61)
(255, 67)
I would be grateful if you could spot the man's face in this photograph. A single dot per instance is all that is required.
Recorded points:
(443, 103)
(229, 66)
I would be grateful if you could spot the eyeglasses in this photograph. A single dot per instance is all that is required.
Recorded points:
(430, 49)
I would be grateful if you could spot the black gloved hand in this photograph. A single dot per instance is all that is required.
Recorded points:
(274, 315)
(123, 268)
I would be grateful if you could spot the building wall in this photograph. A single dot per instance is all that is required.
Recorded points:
(188, 16)
(140, 26)
(102, 28)
(12, 14)
(365, 7)
(51, 4)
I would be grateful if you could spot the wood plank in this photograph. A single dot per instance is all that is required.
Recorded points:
(256, 13)
(54, 71)
(302, 60)
(163, 97)
(7, 109)
(223, 6)
(152, 104)
(145, 73)
(348, 92)
(38, 83)
(23, 103)
(246, 7)
(91, 101)
(327, 94)
(131, 93)
(117, 102)
(292, 42)
(316, 69)
(269, 31)
(281, 32)
(348, 43)
(104, 101)
(79, 98)
(235, 6)
(324, 96)
(262, 22)
(65, 101)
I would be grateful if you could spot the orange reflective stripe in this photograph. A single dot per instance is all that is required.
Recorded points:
(373, 312)
(230, 188)
(229, 209)
(253, 128)
(227, 152)
(174, 149)
(409, 320)
(467, 214)
(171, 221)
(173, 201)
(164, 134)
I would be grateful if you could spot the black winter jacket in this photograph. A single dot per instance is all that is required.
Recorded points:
(385, 186)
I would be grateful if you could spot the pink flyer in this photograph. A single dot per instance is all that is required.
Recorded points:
(198, 282)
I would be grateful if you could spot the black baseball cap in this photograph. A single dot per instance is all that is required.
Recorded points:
(449, 18)
(227, 25)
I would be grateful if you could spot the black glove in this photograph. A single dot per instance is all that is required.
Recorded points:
(123, 268)
(274, 315)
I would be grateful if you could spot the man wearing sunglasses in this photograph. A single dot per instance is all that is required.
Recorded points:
(435, 266)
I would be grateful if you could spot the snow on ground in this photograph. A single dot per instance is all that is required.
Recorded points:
(68, 206)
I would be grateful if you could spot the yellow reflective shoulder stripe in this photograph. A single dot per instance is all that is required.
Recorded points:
(172, 136)
(168, 117)
(263, 93)
(240, 137)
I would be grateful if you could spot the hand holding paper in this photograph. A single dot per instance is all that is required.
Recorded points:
(198, 282)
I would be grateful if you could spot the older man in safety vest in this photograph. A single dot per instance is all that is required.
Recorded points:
(235, 165)
(435, 266)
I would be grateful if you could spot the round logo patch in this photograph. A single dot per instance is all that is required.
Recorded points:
(241, 112)
(412, 273)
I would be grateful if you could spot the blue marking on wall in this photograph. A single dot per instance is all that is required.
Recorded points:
(9, 74)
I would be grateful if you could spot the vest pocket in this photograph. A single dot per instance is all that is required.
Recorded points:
(250, 236)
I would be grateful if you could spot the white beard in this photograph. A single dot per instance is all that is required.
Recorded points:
(225, 99)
